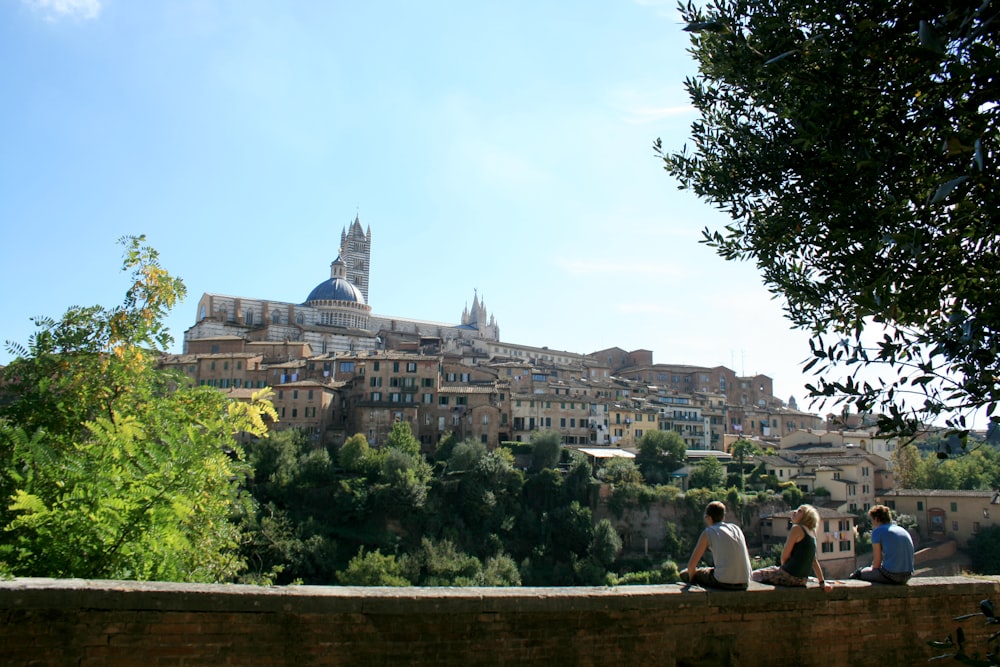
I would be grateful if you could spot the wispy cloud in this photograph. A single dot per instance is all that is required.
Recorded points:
(56, 9)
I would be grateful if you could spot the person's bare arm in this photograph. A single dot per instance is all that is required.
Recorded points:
(699, 551)
(818, 570)
(876, 555)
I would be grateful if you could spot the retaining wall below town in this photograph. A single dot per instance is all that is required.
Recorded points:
(110, 624)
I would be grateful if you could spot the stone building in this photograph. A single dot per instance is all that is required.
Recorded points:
(366, 372)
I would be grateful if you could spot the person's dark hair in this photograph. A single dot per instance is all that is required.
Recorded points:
(881, 513)
(716, 511)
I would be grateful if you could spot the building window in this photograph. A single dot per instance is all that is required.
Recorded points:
(954, 526)
(920, 506)
(954, 507)
(376, 396)
(347, 366)
(845, 545)
(828, 547)
(411, 367)
(442, 400)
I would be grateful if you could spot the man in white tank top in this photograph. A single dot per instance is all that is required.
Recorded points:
(729, 553)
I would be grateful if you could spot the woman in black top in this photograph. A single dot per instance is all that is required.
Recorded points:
(799, 555)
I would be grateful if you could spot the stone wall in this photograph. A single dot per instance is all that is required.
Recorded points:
(111, 624)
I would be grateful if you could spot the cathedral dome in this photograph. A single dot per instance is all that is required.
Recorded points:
(336, 289)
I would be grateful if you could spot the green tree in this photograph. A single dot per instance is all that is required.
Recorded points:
(546, 450)
(606, 544)
(792, 495)
(466, 455)
(579, 480)
(984, 550)
(500, 570)
(441, 563)
(289, 537)
(401, 438)
(854, 146)
(905, 467)
(373, 569)
(113, 468)
(353, 453)
(620, 471)
(741, 450)
(707, 474)
(660, 453)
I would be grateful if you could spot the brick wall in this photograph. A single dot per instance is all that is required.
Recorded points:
(107, 624)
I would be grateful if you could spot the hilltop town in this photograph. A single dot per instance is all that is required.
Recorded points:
(337, 370)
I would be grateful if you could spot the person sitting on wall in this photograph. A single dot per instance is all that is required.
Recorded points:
(892, 549)
(799, 555)
(729, 553)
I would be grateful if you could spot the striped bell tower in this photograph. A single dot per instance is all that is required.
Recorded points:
(356, 253)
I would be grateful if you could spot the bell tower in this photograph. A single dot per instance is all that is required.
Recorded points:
(356, 253)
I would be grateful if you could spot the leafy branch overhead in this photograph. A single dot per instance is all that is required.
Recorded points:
(853, 145)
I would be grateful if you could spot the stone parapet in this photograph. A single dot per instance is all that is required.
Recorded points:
(111, 623)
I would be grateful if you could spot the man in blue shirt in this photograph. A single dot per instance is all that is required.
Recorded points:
(892, 547)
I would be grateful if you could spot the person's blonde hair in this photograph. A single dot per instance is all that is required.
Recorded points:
(810, 517)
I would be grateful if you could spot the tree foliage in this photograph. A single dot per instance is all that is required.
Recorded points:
(546, 449)
(976, 470)
(660, 453)
(707, 474)
(741, 450)
(109, 468)
(854, 146)
(984, 550)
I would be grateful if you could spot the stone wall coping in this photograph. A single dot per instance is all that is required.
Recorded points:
(32, 593)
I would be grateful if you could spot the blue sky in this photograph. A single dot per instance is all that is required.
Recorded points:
(498, 147)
